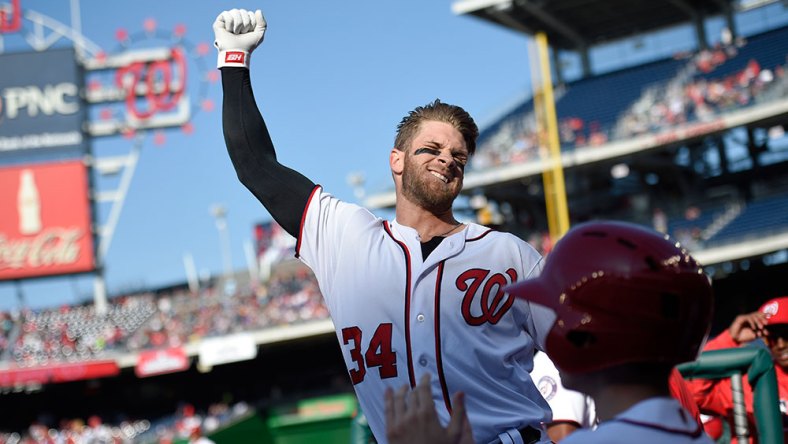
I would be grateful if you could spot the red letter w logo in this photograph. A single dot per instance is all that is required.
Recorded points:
(491, 310)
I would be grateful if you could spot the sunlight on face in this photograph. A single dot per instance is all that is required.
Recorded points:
(434, 166)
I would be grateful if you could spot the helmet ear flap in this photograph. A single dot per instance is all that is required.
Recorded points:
(671, 307)
(581, 339)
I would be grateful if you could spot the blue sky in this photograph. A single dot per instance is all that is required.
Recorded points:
(332, 79)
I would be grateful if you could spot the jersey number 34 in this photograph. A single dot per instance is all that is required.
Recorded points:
(379, 353)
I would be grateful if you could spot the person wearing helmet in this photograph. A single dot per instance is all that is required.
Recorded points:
(768, 324)
(630, 304)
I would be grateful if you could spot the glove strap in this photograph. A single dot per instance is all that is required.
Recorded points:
(235, 58)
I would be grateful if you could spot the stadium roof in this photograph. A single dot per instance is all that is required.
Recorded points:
(578, 24)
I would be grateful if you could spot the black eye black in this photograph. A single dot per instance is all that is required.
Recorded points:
(432, 151)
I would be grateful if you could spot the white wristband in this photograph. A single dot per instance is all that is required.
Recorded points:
(235, 58)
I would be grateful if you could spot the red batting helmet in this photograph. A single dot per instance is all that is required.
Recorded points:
(622, 293)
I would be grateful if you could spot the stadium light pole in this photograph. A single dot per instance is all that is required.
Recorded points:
(219, 213)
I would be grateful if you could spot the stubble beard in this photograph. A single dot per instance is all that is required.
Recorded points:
(427, 193)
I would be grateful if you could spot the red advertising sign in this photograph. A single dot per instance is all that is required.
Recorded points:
(158, 362)
(45, 223)
(65, 372)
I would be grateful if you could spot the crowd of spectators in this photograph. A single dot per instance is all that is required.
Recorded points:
(70, 334)
(700, 99)
(79, 431)
(187, 422)
(150, 320)
(182, 317)
(8, 321)
(694, 94)
(516, 140)
(146, 320)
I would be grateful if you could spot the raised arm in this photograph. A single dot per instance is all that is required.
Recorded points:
(283, 191)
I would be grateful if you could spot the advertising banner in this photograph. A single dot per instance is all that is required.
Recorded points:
(40, 105)
(57, 373)
(159, 362)
(226, 349)
(45, 222)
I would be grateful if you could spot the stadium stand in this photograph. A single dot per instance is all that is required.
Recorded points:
(590, 100)
(147, 321)
(78, 333)
(761, 216)
(648, 98)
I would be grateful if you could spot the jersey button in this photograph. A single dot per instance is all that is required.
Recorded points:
(420, 317)
(423, 361)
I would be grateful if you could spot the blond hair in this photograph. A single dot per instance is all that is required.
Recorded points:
(439, 112)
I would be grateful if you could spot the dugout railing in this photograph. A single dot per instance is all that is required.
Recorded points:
(758, 365)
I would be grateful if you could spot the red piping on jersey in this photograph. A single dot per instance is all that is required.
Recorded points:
(438, 359)
(303, 220)
(404, 247)
(480, 236)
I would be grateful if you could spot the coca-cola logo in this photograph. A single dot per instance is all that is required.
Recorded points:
(51, 246)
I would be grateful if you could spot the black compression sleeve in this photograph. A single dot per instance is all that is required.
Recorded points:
(283, 191)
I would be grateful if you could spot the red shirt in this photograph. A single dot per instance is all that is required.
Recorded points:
(679, 390)
(714, 397)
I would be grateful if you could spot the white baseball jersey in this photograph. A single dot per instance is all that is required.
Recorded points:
(653, 421)
(398, 317)
(567, 405)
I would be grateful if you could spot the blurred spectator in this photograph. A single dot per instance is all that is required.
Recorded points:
(188, 422)
(197, 437)
(768, 325)
(660, 220)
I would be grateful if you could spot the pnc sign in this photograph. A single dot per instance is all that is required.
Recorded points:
(32, 100)
(40, 103)
(45, 228)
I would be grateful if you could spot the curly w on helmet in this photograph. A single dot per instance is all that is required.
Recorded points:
(622, 294)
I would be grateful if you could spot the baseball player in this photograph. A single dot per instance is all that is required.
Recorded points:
(420, 294)
(626, 315)
(769, 323)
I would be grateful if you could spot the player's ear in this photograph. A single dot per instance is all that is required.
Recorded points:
(397, 161)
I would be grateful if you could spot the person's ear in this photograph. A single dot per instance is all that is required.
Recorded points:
(397, 161)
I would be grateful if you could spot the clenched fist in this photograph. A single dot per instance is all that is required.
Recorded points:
(237, 33)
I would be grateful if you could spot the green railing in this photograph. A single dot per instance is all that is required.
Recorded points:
(757, 364)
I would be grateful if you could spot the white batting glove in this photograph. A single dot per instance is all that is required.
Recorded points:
(237, 32)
